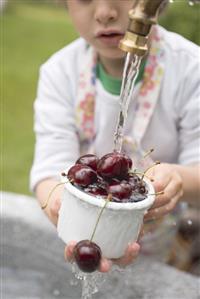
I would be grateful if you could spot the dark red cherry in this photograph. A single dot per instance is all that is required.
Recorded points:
(130, 162)
(133, 179)
(96, 189)
(141, 187)
(89, 160)
(113, 165)
(82, 175)
(87, 255)
(120, 191)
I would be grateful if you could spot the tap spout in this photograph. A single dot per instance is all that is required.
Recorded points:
(143, 15)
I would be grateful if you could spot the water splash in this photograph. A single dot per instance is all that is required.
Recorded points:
(131, 69)
(189, 222)
(90, 281)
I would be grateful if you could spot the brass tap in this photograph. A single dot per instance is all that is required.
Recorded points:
(143, 15)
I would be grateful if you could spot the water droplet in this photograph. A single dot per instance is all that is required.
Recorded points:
(191, 3)
(56, 293)
(189, 222)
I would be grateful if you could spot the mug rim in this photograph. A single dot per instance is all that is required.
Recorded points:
(99, 201)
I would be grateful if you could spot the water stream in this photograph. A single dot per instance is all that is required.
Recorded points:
(131, 69)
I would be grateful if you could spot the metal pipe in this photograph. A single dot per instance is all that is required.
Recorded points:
(143, 15)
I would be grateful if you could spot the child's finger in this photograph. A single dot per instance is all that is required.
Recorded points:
(160, 212)
(68, 253)
(55, 207)
(129, 256)
(105, 265)
(161, 200)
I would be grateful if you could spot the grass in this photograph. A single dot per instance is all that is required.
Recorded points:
(31, 32)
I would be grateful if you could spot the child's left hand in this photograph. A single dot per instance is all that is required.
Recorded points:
(166, 178)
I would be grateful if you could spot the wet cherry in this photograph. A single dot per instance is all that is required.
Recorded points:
(89, 160)
(82, 175)
(113, 165)
(87, 255)
(120, 191)
(96, 189)
(141, 188)
(130, 162)
(133, 179)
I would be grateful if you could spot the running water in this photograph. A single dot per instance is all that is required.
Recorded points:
(91, 282)
(131, 69)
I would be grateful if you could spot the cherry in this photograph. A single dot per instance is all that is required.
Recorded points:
(82, 175)
(120, 191)
(133, 179)
(96, 190)
(89, 160)
(130, 162)
(87, 255)
(113, 165)
(141, 188)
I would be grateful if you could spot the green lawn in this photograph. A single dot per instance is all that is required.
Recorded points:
(30, 34)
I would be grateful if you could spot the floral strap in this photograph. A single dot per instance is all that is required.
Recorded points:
(150, 87)
(86, 98)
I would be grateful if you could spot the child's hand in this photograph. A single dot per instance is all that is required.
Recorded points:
(54, 208)
(106, 264)
(166, 178)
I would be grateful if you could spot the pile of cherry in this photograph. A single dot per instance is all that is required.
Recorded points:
(109, 175)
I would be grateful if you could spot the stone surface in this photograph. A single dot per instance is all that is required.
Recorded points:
(33, 267)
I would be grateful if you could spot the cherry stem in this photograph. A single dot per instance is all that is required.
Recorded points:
(98, 219)
(148, 153)
(156, 163)
(51, 192)
(143, 174)
(157, 193)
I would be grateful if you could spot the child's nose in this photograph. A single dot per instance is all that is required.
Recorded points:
(105, 11)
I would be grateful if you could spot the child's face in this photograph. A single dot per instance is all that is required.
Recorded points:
(102, 23)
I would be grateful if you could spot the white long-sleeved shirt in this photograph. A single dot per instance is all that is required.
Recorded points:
(174, 129)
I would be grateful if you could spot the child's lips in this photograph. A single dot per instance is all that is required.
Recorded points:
(111, 38)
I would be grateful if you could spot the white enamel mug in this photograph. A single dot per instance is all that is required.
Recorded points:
(119, 224)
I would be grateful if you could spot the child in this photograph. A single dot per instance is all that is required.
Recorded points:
(77, 108)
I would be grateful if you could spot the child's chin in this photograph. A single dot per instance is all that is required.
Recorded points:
(112, 54)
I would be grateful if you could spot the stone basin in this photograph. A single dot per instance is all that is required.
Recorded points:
(33, 267)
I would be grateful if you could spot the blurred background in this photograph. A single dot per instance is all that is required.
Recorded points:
(31, 31)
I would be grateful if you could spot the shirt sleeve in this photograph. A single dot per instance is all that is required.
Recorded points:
(56, 145)
(189, 111)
